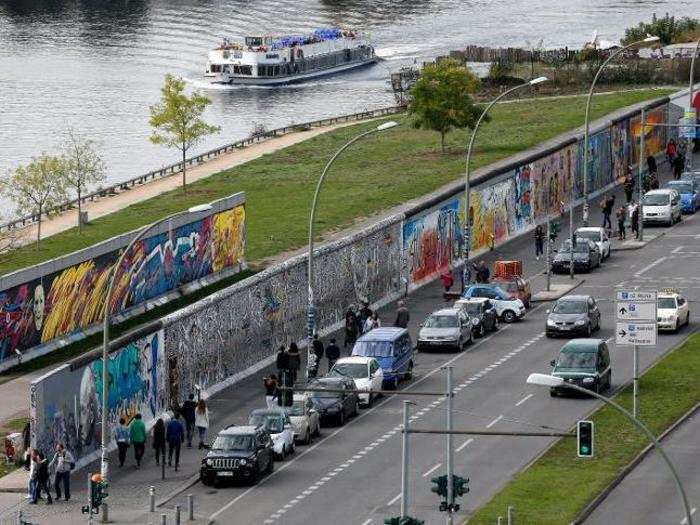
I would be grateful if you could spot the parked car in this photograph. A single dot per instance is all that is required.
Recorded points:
(448, 328)
(393, 350)
(306, 422)
(586, 257)
(365, 371)
(599, 236)
(239, 453)
(335, 406)
(584, 362)
(516, 286)
(689, 191)
(691, 175)
(662, 206)
(482, 314)
(672, 310)
(509, 309)
(277, 423)
(573, 314)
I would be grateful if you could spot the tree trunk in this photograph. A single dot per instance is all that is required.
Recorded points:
(80, 209)
(38, 229)
(184, 170)
(442, 141)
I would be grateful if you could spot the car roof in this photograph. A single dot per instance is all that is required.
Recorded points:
(328, 380)
(267, 412)
(389, 333)
(661, 191)
(355, 359)
(465, 300)
(574, 298)
(582, 345)
(446, 311)
(235, 430)
(590, 229)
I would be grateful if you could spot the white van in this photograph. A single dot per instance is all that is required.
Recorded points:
(662, 206)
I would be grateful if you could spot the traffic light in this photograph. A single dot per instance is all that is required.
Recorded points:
(440, 485)
(553, 230)
(584, 439)
(285, 396)
(98, 493)
(406, 520)
(460, 486)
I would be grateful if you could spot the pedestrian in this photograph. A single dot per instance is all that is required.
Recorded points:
(188, 415)
(137, 435)
(42, 479)
(539, 241)
(63, 461)
(30, 466)
(402, 315)
(678, 166)
(282, 361)
(372, 322)
(365, 313)
(628, 186)
(651, 164)
(671, 151)
(447, 279)
(175, 436)
(318, 351)
(159, 440)
(202, 422)
(654, 182)
(351, 329)
(484, 274)
(26, 436)
(608, 206)
(270, 383)
(635, 220)
(294, 360)
(121, 436)
(621, 234)
(332, 353)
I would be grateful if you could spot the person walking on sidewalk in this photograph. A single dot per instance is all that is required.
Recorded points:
(64, 462)
(635, 220)
(447, 279)
(365, 313)
(137, 434)
(678, 166)
(121, 436)
(294, 361)
(351, 328)
(332, 353)
(42, 479)
(402, 315)
(539, 241)
(270, 383)
(188, 408)
(621, 213)
(202, 422)
(318, 353)
(628, 186)
(158, 438)
(372, 322)
(282, 361)
(175, 436)
(671, 151)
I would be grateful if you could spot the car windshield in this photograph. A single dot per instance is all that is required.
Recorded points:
(581, 247)
(577, 360)
(373, 348)
(241, 442)
(354, 370)
(473, 308)
(274, 424)
(326, 395)
(591, 235)
(655, 199)
(297, 409)
(570, 307)
(667, 302)
(681, 187)
(441, 321)
(510, 286)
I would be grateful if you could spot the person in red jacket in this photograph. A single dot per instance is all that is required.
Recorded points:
(447, 279)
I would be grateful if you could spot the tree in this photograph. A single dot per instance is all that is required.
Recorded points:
(668, 29)
(82, 164)
(177, 120)
(441, 98)
(37, 187)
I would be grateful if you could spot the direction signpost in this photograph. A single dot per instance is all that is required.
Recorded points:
(636, 326)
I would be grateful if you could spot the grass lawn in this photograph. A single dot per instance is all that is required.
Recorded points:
(546, 493)
(377, 173)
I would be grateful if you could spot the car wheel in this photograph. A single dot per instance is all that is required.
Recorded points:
(357, 409)
(482, 331)
(408, 375)
(677, 327)
(508, 316)
(588, 330)
(460, 345)
(293, 449)
(207, 481)
(687, 319)
(552, 393)
(471, 338)
(307, 437)
(341, 418)
(270, 467)
(496, 324)
(255, 477)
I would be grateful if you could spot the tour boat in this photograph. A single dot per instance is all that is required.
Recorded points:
(270, 60)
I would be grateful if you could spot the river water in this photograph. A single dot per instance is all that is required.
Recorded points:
(96, 66)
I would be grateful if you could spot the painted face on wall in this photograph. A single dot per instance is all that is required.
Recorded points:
(88, 408)
(39, 304)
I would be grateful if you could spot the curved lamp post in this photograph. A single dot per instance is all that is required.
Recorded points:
(311, 312)
(554, 381)
(690, 95)
(467, 188)
(586, 132)
(106, 322)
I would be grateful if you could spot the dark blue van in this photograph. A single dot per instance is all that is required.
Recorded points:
(393, 350)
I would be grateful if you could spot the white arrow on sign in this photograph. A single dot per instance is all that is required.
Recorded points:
(636, 311)
(640, 334)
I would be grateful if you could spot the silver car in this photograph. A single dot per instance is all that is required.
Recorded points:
(449, 328)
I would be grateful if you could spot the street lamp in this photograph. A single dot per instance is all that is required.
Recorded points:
(554, 381)
(467, 188)
(647, 40)
(311, 312)
(106, 318)
(690, 99)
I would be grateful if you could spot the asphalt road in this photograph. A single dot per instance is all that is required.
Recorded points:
(648, 495)
(352, 474)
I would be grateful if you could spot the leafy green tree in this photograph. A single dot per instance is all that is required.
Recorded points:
(177, 119)
(37, 187)
(441, 99)
(668, 29)
(83, 165)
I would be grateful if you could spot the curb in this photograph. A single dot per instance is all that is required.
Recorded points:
(593, 505)
(193, 480)
(557, 295)
(637, 246)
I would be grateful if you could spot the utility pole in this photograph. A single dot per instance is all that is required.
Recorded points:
(640, 180)
(450, 454)
(635, 382)
(549, 251)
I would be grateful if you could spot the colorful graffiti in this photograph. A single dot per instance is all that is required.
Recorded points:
(600, 164)
(72, 299)
(621, 149)
(491, 218)
(654, 136)
(551, 178)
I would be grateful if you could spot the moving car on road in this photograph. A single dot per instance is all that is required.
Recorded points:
(364, 371)
(509, 309)
(482, 314)
(572, 315)
(393, 350)
(448, 328)
(516, 286)
(672, 310)
(662, 206)
(277, 423)
(584, 362)
(239, 453)
(586, 257)
(335, 406)
(306, 423)
(599, 236)
(689, 192)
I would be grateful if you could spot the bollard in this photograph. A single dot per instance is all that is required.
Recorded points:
(510, 514)
(163, 519)
(152, 497)
(177, 514)
(190, 507)
(105, 513)
(500, 520)
(162, 467)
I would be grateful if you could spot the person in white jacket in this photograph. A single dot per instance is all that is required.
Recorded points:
(201, 421)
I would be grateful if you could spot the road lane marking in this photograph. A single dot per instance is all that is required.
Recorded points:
(678, 249)
(394, 500)
(433, 469)
(684, 521)
(650, 266)
(464, 445)
(523, 400)
(367, 522)
(494, 421)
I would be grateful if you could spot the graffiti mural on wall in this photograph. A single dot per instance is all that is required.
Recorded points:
(72, 299)
(67, 406)
(654, 136)
(621, 149)
(550, 182)
(600, 166)
(491, 218)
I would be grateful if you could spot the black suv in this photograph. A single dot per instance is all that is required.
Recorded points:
(335, 406)
(239, 453)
